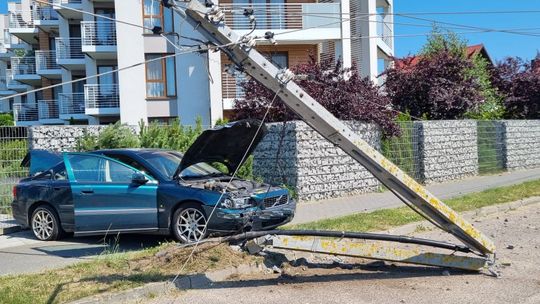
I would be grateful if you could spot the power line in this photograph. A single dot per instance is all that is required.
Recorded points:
(467, 26)
(200, 49)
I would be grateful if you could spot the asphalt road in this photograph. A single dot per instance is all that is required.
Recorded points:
(516, 234)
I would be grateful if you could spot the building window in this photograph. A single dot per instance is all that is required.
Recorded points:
(279, 59)
(154, 14)
(160, 77)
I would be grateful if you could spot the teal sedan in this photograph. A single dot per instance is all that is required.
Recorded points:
(151, 191)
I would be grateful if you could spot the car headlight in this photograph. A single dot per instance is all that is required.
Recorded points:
(235, 203)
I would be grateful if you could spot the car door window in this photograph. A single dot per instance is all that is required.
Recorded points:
(89, 168)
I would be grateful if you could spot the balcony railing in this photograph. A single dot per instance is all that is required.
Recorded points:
(99, 96)
(27, 19)
(283, 15)
(384, 30)
(46, 60)
(48, 109)
(9, 79)
(98, 33)
(21, 19)
(23, 65)
(64, 2)
(69, 48)
(44, 13)
(71, 104)
(25, 113)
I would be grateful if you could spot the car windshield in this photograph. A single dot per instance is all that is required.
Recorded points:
(167, 163)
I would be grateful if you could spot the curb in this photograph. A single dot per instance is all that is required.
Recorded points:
(9, 230)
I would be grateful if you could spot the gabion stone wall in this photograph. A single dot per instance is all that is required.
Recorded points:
(311, 164)
(60, 138)
(446, 149)
(522, 144)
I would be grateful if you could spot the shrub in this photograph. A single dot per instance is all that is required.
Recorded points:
(519, 83)
(437, 87)
(347, 98)
(174, 136)
(112, 137)
(6, 119)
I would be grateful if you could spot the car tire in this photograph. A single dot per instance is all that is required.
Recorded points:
(45, 224)
(189, 223)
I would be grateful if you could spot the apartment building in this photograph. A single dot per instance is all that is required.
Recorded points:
(45, 45)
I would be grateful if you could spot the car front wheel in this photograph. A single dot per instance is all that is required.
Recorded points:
(189, 223)
(45, 224)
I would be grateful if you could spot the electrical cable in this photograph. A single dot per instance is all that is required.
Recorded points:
(228, 184)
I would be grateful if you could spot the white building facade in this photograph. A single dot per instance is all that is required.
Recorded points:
(46, 45)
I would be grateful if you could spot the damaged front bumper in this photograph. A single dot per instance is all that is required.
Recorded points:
(233, 221)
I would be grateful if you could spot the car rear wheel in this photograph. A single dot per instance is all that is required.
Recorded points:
(189, 223)
(45, 224)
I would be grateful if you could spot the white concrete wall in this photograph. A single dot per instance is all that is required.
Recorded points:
(131, 51)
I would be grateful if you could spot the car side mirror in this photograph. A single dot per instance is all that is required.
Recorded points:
(139, 178)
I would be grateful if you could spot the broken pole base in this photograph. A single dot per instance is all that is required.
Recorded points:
(378, 250)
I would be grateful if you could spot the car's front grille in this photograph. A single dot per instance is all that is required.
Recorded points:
(275, 201)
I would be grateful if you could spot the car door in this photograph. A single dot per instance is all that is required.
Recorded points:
(106, 198)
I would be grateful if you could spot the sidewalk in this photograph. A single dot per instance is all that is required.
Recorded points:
(309, 212)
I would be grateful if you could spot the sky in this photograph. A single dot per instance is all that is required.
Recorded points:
(498, 45)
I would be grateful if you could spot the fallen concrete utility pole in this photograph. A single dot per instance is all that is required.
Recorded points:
(209, 20)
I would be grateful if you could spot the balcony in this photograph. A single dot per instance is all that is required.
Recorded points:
(45, 17)
(46, 65)
(13, 85)
(21, 25)
(4, 91)
(11, 42)
(25, 115)
(313, 19)
(69, 53)
(101, 99)
(24, 70)
(72, 106)
(66, 8)
(48, 112)
(24, 24)
(385, 32)
(99, 39)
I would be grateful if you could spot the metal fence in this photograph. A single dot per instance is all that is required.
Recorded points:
(13, 148)
(429, 151)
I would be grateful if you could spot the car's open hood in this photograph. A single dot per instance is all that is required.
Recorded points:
(40, 160)
(224, 144)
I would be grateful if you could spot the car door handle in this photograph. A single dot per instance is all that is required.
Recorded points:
(90, 191)
(57, 188)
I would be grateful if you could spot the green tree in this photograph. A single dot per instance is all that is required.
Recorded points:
(446, 40)
(441, 40)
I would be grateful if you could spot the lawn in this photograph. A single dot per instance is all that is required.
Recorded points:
(115, 272)
(388, 218)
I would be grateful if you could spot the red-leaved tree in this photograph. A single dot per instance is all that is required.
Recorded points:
(436, 87)
(519, 82)
(352, 98)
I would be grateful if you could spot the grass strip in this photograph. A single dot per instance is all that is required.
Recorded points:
(387, 218)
